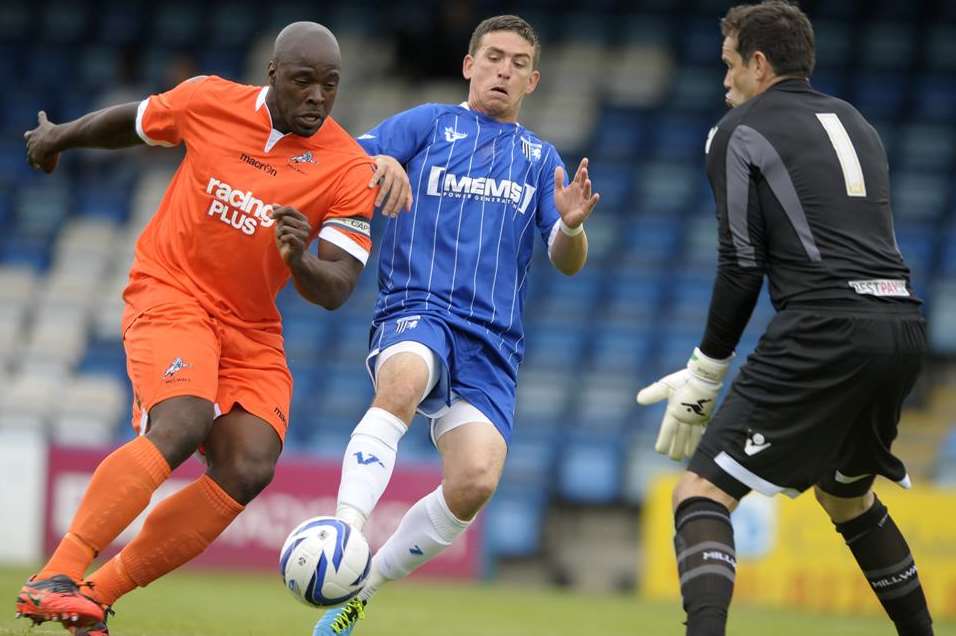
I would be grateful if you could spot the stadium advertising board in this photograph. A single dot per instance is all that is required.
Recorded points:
(789, 555)
(301, 489)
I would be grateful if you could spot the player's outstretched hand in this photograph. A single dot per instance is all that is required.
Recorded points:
(292, 231)
(574, 202)
(40, 145)
(395, 193)
(690, 395)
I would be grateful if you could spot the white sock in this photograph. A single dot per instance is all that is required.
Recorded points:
(368, 464)
(426, 529)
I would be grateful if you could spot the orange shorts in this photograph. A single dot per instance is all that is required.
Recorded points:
(176, 349)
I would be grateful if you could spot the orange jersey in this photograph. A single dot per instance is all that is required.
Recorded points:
(212, 235)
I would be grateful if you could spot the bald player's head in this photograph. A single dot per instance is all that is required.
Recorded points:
(304, 75)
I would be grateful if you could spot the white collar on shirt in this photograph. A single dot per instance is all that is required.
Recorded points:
(274, 135)
(465, 105)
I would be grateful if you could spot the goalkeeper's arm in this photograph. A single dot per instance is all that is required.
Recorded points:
(690, 392)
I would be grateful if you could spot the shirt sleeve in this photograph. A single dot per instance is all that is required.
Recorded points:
(741, 252)
(402, 135)
(160, 118)
(347, 224)
(546, 215)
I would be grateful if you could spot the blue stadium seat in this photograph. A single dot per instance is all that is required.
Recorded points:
(941, 47)
(121, 23)
(347, 393)
(682, 137)
(942, 318)
(888, 45)
(234, 24)
(98, 67)
(700, 41)
(918, 196)
(664, 187)
(926, 147)
(530, 464)
(590, 471)
(646, 29)
(104, 357)
(833, 41)
(64, 22)
(227, 62)
(947, 266)
(935, 96)
(303, 340)
(15, 22)
(616, 185)
(177, 23)
(635, 299)
(830, 81)
(621, 351)
(619, 135)
(555, 349)
(40, 210)
(513, 523)
(879, 95)
(698, 90)
(918, 248)
(26, 252)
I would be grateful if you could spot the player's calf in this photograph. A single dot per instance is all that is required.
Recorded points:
(706, 563)
(886, 561)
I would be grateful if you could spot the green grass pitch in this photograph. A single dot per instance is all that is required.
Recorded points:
(216, 604)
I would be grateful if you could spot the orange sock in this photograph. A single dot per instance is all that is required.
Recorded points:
(119, 490)
(176, 531)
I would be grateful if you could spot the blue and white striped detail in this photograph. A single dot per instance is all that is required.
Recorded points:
(465, 248)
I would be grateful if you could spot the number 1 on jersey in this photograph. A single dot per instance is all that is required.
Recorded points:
(846, 153)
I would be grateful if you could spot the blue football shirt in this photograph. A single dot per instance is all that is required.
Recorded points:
(482, 190)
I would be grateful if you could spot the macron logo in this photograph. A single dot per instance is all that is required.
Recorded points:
(442, 183)
(755, 444)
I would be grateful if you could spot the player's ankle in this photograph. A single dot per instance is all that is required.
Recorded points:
(351, 516)
(375, 581)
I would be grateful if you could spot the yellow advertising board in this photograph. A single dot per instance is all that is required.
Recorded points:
(789, 554)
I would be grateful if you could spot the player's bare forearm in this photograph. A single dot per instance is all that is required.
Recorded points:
(327, 283)
(569, 253)
(112, 127)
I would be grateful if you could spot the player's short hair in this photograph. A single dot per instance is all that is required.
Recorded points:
(777, 28)
(506, 23)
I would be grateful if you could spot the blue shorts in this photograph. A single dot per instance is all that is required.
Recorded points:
(473, 367)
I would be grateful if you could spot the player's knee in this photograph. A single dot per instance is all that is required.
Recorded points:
(693, 485)
(842, 509)
(178, 426)
(471, 487)
(244, 475)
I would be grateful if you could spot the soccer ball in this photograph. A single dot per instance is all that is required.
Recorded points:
(324, 562)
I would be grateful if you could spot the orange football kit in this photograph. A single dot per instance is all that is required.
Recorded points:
(201, 317)
(201, 320)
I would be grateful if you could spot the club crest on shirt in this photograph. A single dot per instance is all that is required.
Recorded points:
(452, 135)
(175, 367)
(530, 150)
(295, 161)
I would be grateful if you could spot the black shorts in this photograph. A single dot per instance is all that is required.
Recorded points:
(817, 403)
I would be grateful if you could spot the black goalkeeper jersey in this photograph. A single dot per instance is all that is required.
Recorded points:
(802, 187)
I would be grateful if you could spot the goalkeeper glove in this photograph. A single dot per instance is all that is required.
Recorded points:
(690, 395)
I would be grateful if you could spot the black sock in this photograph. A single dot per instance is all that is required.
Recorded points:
(885, 559)
(706, 564)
